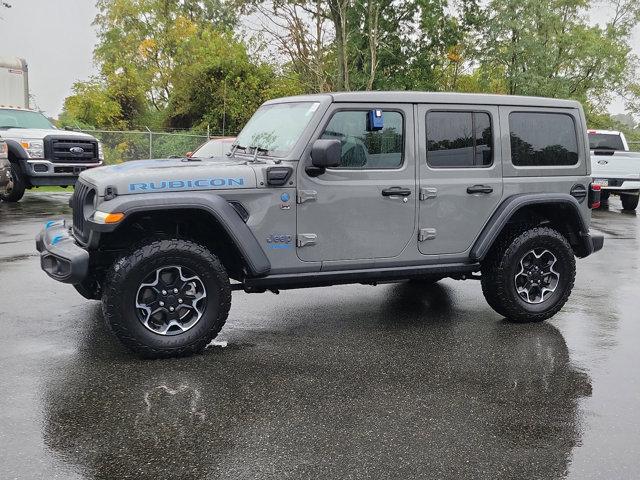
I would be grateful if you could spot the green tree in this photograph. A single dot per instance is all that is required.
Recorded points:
(548, 48)
(91, 106)
(216, 83)
(141, 38)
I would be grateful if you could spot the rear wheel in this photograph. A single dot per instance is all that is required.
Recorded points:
(528, 276)
(167, 298)
(629, 201)
(14, 190)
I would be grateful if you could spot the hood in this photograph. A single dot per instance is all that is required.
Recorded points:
(171, 175)
(40, 133)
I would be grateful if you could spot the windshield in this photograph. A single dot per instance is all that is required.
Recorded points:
(276, 128)
(605, 141)
(214, 148)
(23, 119)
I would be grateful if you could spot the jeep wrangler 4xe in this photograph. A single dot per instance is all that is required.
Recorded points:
(333, 189)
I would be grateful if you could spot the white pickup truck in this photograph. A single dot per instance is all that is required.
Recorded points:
(614, 167)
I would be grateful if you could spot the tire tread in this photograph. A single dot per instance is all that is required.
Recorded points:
(123, 266)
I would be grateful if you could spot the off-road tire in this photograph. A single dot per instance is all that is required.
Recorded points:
(16, 191)
(501, 265)
(629, 202)
(122, 283)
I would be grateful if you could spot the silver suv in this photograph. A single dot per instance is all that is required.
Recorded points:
(333, 189)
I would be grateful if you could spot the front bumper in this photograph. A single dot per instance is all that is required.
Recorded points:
(46, 168)
(60, 256)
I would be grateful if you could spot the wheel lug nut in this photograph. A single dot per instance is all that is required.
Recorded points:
(175, 290)
(164, 292)
(179, 300)
(171, 309)
(162, 304)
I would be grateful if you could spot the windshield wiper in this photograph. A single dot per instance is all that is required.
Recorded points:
(235, 147)
(3, 127)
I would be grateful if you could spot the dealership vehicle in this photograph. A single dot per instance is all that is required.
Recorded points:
(332, 189)
(39, 153)
(607, 140)
(5, 166)
(614, 167)
(214, 148)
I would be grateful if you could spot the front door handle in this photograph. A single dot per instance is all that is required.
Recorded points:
(479, 189)
(396, 192)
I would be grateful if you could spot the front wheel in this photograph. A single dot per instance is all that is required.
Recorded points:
(14, 190)
(528, 276)
(167, 298)
(629, 201)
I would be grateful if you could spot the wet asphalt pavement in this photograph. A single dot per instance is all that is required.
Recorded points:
(394, 381)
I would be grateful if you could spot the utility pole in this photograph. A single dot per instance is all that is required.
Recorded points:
(150, 143)
(224, 105)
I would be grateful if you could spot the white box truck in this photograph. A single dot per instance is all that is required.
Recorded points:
(14, 82)
(39, 153)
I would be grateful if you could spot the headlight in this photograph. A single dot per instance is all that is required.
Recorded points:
(34, 148)
(100, 151)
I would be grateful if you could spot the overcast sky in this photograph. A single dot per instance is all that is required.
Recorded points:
(57, 39)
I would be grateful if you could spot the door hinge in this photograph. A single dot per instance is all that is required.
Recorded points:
(427, 234)
(305, 195)
(428, 192)
(305, 239)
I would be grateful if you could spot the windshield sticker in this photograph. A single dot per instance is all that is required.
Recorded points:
(199, 184)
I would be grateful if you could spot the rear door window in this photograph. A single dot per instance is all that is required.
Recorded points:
(543, 139)
(459, 139)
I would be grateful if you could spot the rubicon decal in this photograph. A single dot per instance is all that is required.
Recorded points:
(202, 183)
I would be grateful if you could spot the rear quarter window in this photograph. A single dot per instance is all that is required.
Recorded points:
(543, 139)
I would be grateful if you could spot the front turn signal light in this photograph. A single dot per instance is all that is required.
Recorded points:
(106, 218)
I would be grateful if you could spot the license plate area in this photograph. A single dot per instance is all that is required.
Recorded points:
(603, 182)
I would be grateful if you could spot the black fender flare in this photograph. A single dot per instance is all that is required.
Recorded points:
(214, 205)
(511, 205)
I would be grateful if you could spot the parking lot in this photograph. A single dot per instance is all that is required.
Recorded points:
(395, 381)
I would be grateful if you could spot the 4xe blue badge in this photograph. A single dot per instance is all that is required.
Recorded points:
(285, 205)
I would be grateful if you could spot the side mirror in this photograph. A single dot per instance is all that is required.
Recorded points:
(325, 153)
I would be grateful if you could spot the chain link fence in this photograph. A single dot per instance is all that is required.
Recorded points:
(121, 146)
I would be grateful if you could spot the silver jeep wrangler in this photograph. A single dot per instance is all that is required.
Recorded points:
(333, 189)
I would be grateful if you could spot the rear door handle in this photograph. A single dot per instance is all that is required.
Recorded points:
(479, 189)
(396, 192)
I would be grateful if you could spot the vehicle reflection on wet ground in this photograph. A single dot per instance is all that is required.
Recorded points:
(395, 381)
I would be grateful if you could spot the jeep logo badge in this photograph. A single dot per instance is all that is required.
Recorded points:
(76, 150)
